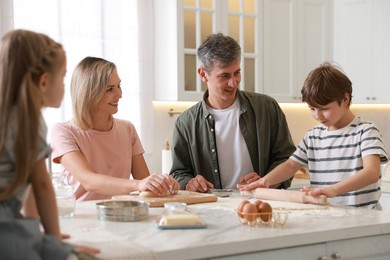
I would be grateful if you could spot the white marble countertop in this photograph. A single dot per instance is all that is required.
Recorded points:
(225, 235)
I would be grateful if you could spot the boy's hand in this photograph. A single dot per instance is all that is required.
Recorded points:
(260, 183)
(250, 177)
(328, 191)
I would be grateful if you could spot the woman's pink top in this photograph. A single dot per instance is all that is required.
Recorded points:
(108, 153)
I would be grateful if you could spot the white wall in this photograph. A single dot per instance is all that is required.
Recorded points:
(6, 16)
(163, 124)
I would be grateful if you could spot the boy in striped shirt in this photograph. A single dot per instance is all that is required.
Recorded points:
(343, 153)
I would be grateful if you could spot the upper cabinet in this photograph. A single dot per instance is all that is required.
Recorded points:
(362, 40)
(181, 26)
(297, 38)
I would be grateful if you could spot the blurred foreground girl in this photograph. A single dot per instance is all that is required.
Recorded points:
(32, 69)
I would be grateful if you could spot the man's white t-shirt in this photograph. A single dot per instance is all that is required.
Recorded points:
(233, 155)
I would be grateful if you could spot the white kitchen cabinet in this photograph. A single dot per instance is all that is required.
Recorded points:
(297, 38)
(361, 40)
(373, 248)
(302, 252)
(385, 201)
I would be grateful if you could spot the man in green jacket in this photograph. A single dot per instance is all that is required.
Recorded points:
(231, 136)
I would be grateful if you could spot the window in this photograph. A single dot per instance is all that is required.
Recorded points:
(102, 28)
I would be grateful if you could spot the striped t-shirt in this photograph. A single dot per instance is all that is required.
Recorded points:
(332, 156)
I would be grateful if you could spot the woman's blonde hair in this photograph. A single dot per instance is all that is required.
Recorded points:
(24, 57)
(87, 88)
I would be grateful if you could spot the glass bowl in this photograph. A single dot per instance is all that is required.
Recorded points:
(278, 217)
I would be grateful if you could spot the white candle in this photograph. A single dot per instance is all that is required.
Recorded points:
(166, 161)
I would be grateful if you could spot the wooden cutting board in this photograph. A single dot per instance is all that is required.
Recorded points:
(188, 197)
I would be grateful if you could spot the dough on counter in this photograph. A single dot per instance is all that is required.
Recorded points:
(151, 194)
(146, 194)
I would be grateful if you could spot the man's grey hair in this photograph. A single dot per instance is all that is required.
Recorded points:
(218, 48)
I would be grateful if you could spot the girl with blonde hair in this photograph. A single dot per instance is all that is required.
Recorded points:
(32, 69)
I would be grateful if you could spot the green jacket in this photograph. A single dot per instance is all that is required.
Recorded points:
(263, 126)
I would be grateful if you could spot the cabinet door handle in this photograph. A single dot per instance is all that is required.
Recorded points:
(336, 255)
(322, 258)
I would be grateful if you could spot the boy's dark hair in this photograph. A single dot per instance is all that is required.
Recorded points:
(326, 84)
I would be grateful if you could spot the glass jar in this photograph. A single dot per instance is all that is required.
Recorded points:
(66, 200)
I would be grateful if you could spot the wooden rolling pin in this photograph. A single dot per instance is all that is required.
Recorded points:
(285, 195)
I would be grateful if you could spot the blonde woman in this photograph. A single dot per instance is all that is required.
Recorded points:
(99, 152)
(32, 69)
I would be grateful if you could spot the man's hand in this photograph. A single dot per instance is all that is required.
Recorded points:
(199, 184)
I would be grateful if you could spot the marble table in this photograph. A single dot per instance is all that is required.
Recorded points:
(311, 232)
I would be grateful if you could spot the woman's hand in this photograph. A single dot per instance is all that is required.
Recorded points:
(173, 184)
(159, 184)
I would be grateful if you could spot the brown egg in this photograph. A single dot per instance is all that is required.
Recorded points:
(257, 203)
(240, 208)
(266, 211)
(249, 212)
